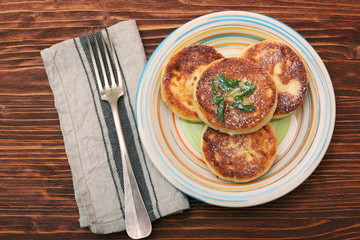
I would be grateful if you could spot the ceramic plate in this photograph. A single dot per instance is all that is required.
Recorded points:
(173, 144)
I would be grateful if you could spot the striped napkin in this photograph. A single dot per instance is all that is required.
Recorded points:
(90, 137)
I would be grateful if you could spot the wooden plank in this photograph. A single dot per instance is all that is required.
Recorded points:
(36, 192)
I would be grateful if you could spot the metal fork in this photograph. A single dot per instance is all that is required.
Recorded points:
(137, 220)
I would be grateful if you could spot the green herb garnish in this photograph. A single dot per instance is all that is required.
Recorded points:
(226, 84)
(231, 87)
(220, 110)
(220, 100)
(247, 88)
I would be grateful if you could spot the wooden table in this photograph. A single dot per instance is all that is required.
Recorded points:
(36, 193)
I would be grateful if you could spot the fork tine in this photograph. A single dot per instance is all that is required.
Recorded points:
(97, 76)
(112, 79)
(114, 57)
(106, 82)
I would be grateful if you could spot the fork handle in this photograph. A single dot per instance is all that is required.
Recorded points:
(137, 221)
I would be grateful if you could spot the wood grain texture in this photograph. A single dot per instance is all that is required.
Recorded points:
(36, 193)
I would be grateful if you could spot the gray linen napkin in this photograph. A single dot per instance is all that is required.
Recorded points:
(90, 137)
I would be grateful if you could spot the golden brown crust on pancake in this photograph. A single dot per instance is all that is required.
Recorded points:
(179, 76)
(239, 158)
(236, 122)
(287, 70)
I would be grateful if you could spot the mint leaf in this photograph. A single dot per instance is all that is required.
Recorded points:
(247, 88)
(217, 99)
(220, 110)
(217, 96)
(238, 98)
(226, 84)
(242, 107)
(238, 102)
(233, 83)
(247, 108)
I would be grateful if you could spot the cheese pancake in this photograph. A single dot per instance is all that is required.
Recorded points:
(242, 157)
(235, 121)
(286, 68)
(179, 76)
